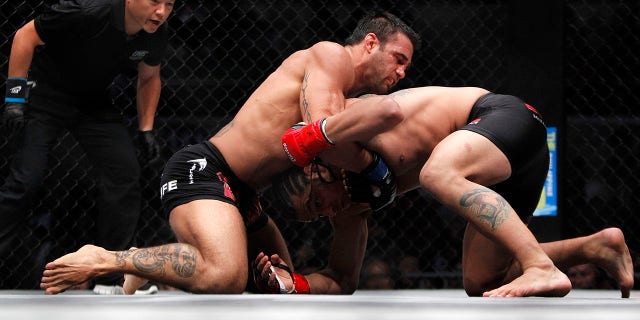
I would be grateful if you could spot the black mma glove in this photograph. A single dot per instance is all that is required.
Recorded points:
(149, 146)
(15, 104)
(375, 185)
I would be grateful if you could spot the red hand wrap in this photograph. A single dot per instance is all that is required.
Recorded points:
(302, 144)
(300, 284)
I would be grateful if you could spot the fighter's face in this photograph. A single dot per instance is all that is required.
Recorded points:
(323, 196)
(390, 62)
(148, 15)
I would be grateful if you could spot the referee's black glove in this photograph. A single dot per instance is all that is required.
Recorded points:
(149, 146)
(15, 104)
(13, 116)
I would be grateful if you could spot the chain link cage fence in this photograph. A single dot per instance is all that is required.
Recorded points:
(220, 51)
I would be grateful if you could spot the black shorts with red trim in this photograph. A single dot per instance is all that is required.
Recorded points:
(518, 130)
(200, 172)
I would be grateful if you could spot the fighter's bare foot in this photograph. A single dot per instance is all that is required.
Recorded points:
(609, 251)
(535, 282)
(72, 269)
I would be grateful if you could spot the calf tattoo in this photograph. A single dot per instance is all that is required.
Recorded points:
(486, 205)
(149, 260)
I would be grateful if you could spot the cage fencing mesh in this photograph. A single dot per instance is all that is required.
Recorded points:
(220, 51)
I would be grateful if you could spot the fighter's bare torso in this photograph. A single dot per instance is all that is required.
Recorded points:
(430, 114)
(272, 108)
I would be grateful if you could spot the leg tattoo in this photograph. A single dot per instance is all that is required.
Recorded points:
(182, 258)
(487, 205)
(121, 257)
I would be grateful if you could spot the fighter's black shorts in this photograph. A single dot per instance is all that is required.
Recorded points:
(519, 131)
(200, 172)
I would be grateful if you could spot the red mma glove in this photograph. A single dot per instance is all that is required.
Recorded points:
(303, 142)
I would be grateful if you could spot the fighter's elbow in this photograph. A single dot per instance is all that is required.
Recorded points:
(391, 114)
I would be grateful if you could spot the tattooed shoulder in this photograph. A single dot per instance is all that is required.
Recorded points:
(305, 104)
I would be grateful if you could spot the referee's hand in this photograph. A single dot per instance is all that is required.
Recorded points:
(13, 116)
(149, 146)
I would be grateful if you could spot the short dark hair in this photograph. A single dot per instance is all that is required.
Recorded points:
(383, 24)
(289, 183)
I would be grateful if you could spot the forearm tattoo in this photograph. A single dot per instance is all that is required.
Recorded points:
(150, 260)
(486, 205)
(305, 104)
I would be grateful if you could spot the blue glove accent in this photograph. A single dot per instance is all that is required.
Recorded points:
(15, 100)
(15, 104)
(375, 185)
(378, 172)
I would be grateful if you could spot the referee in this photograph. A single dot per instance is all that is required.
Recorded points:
(60, 67)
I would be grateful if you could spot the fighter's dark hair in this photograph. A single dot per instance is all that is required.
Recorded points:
(383, 24)
(289, 183)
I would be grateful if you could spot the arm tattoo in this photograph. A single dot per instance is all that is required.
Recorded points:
(224, 129)
(304, 102)
(487, 206)
(182, 258)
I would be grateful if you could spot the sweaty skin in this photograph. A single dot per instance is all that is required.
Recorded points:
(501, 258)
(212, 256)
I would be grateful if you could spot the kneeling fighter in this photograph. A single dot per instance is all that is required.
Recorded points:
(485, 157)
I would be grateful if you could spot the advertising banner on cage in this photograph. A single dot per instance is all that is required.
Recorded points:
(548, 205)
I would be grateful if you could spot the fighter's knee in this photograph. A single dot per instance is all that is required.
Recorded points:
(348, 285)
(473, 288)
(474, 292)
(220, 280)
(475, 285)
(433, 175)
(237, 280)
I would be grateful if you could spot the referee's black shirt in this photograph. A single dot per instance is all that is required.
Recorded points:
(86, 47)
